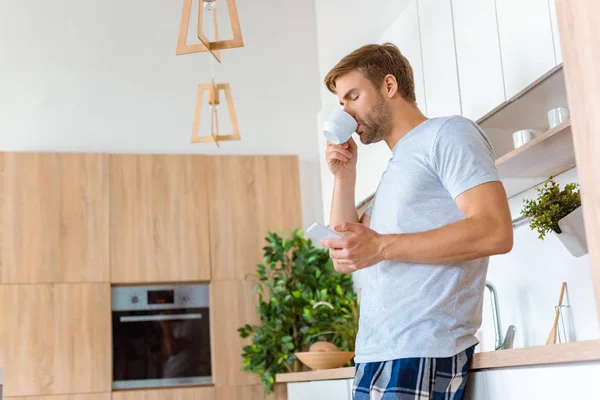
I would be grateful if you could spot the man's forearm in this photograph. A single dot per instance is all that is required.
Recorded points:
(343, 208)
(465, 240)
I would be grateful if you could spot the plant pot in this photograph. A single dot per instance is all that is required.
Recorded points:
(572, 233)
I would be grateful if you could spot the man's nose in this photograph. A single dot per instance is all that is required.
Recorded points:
(349, 111)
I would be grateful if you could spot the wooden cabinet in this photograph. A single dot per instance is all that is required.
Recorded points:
(159, 227)
(95, 396)
(405, 34)
(526, 42)
(439, 58)
(56, 338)
(250, 196)
(251, 392)
(478, 56)
(53, 217)
(195, 393)
(235, 300)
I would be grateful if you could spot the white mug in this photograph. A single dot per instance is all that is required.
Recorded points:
(523, 136)
(557, 116)
(339, 127)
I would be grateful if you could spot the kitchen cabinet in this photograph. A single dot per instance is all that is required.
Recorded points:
(526, 42)
(195, 393)
(54, 217)
(405, 34)
(478, 57)
(251, 392)
(555, 32)
(236, 300)
(439, 58)
(56, 338)
(321, 390)
(159, 229)
(95, 396)
(252, 195)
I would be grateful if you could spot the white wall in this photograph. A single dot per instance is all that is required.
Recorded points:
(103, 77)
(528, 281)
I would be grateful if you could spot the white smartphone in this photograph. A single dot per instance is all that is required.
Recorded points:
(320, 232)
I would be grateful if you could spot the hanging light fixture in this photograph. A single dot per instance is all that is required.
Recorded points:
(213, 90)
(214, 46)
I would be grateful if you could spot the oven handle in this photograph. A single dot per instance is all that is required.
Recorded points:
(159, 317)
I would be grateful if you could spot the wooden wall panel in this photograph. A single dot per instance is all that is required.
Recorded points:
(250, 196)
(251, 392)
(159, 228)
(54, 217)
(196, 393)
(580, 45)
(95, 396)
(56, 338)
(234, 301)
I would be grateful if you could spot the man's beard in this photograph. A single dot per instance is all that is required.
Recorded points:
(377, 123)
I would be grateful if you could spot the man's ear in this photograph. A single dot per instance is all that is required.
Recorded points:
(390, 85)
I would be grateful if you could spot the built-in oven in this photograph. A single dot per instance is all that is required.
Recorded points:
(161, 336)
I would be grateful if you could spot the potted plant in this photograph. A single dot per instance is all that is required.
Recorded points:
(558, 211)
(293, 280)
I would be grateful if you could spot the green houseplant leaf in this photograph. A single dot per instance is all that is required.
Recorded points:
(550, 206)
(293, 278)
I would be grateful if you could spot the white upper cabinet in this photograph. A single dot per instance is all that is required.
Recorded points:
(555, 34)
(478, 56)
(526, 42)
(439, 58)
(405, 34)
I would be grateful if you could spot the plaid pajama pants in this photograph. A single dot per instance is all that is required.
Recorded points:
(413, 378)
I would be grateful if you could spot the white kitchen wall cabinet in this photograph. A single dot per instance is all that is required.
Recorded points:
(439, 58)
(405, 34)
(478, 56)
(555, 33)
(525, 41)
(340, 389)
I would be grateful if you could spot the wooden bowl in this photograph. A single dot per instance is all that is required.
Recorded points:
(324, 359)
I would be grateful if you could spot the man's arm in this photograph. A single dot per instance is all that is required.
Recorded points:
(486, 230)
(342, 203)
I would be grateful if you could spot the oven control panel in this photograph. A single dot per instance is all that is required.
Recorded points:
(159, 297)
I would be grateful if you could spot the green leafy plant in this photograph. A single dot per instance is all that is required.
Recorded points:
(551, 205)
(292, 282)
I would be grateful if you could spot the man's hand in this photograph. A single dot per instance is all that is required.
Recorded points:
(360, 248)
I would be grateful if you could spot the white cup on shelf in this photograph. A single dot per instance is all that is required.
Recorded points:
(523, 136)
(557, 116)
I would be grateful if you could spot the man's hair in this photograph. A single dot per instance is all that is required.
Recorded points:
(375, 61)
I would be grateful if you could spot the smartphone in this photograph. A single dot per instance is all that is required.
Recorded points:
(321, 232)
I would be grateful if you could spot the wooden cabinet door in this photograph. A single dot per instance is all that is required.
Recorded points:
(439, 58)
(478, 57)
(250, 196)
(159, 228)
(196, 393)
(95, 396)
(53, 217)
(525, 33)
(56, 338)
(251, 392)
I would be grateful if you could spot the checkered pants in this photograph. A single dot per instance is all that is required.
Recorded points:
(413, 378)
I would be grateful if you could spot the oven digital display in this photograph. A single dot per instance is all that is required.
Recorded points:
(161, 297)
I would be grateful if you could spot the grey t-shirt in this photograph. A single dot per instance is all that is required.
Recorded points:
(425, 310)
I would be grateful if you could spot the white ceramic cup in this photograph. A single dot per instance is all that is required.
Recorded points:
(557, 116)
(339, 127)
(523, 136)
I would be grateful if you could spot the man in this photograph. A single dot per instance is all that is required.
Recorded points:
(439, 212)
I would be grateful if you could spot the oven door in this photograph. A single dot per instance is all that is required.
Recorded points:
(155, 348)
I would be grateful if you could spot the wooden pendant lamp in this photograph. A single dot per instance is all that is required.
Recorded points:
(207, 45)
(213, 91)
